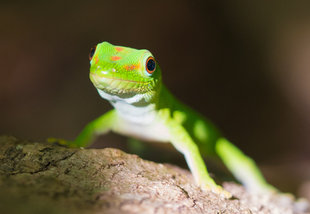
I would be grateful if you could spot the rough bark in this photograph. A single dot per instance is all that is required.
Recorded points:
(45, 178)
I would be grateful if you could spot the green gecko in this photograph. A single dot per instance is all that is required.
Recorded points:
(130, 80)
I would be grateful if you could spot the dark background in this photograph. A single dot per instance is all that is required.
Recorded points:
(243, 64)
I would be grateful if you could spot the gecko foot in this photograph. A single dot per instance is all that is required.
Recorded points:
(218, 190)
(61, 142)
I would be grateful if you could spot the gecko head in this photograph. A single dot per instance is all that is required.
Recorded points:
(123, 72)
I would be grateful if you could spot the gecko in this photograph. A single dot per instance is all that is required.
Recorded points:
(131, 80)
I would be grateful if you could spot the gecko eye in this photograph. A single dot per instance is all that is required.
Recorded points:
(92, 52)
(150, 65)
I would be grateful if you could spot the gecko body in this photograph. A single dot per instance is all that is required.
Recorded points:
(130, 79)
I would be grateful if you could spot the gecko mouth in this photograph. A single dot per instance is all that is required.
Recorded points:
(115, 85)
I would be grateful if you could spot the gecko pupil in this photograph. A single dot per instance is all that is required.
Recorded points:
(151, 65)
(92, 52)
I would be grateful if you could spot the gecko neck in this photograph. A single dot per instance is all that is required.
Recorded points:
(138, 108)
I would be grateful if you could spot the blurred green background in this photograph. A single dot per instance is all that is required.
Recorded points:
(243, 64)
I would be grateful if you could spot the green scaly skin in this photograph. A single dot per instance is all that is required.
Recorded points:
(145, 109)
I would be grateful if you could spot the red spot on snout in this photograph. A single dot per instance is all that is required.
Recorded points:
(96, 59)
(115, 58)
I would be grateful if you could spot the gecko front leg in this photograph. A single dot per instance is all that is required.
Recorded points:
(101, 125)
(182, 141)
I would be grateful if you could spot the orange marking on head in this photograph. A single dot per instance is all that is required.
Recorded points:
(119, 49)
(131, 67)
(115, 58)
